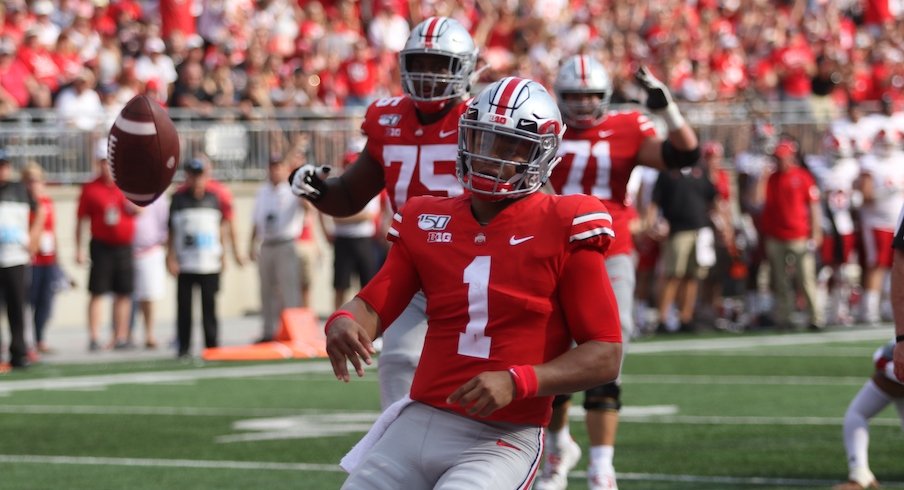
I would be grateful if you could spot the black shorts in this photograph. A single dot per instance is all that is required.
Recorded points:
(352, 256)
(112, 269)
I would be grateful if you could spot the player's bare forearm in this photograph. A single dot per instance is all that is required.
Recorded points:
(589, 364)
(684, 138)
(348, 338)
(897, 303)
(348, 193)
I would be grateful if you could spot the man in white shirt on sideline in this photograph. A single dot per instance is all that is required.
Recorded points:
(277, 220)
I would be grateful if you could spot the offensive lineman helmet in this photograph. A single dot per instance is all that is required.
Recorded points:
(836, 146)
(445, 38)
(581, 74)
(513, 122)
(885, 142)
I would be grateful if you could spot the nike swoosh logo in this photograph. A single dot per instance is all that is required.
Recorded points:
(445, 134)
(516, 241)
(606, 133)
(500, 442)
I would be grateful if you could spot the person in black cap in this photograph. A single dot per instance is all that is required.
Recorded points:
(195, 253)
(18, 241)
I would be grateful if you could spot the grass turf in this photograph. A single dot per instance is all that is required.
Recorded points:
(772, 414)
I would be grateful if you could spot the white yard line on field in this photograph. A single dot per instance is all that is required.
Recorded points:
(760, 341)
(332, 468)
(189, 375)
(154, 377)
(169, 463)
(729, 379)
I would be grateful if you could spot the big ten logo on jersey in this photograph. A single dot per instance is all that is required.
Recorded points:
(391, 121)
(439, 237)
(429, 222)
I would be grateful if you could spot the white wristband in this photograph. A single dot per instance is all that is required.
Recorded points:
(673, 118)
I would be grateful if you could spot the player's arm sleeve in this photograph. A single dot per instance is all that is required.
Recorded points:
(591, 226)
(392, 288)
(587, 299)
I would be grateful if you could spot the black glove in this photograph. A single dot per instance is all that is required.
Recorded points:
(658, 96)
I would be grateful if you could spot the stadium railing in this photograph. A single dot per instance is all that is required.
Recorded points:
(241, 143)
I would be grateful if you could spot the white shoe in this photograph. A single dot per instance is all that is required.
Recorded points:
(601, 478)
(559, 461)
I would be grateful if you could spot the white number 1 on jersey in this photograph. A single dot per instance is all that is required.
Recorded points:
(473, 342)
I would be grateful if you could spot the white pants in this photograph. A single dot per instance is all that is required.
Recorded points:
(150, 275)
(427, 448)
(402, 345)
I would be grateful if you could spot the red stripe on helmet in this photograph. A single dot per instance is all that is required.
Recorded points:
(583, 69)
(506, 92)
(429, 34)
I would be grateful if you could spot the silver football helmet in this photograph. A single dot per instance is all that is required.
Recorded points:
(885, 142)
(507, 140)
(583, 75)
(449, 41)
(836, 147)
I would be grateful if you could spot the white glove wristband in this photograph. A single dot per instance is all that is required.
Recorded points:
(673, 118)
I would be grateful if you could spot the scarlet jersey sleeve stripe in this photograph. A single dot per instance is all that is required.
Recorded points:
(393, 233)
(590, 225)
(586, 218)
(591, 233)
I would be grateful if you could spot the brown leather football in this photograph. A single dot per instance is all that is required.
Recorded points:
(143, 150)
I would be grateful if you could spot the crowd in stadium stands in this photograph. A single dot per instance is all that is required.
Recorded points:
(202, 54)
(87, 58)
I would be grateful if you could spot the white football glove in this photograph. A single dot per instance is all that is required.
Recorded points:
(659, 99)
(308, 181)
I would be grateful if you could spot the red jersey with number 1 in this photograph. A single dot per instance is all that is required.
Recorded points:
(416, 159)
(598, 161)
(515, 291)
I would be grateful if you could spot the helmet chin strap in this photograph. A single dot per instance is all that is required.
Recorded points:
(490, 188)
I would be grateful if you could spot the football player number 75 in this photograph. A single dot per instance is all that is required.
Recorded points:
(407, 156)
(473, 342)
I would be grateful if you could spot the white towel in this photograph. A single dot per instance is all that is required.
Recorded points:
(354, 457)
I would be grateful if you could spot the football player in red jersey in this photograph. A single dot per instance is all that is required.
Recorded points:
(511, 276)
(599, 151)
(410, 151)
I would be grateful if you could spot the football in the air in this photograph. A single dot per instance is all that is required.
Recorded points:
(143, 150)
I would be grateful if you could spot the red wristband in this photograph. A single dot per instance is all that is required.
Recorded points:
(334, 316)
(525, 379)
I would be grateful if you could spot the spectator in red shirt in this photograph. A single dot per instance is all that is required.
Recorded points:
(112, 221)
(39, 61)
(45, 272)
(792, 226)
(361, 75)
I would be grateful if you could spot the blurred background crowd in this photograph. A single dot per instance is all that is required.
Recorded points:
(251, 83)
(78, 55)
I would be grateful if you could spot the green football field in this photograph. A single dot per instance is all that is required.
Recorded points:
(722, 412)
